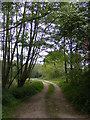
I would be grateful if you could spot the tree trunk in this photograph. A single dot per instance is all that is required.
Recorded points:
(4, 78)
(3, 42)
(71, 53)
(65, 62)
(23, 79)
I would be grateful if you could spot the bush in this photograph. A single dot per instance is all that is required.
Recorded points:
(76, 74)
(10, 95)
(13, 96)
(78, 94)
(7, 98)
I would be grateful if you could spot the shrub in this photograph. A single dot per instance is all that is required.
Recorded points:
(13, 96)
(14, 93)
(8, 98)
(78, 94)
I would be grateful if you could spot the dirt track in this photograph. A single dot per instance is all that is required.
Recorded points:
(35, 107)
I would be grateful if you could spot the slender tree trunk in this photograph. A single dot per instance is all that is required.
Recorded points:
(22, 49)
(88, 6)
(11, 54)
(4, 80)
(23, 41)
(3, 42)
(71, 53)
(23, 79)
(17, 52)
(65, 62)
(8, 56)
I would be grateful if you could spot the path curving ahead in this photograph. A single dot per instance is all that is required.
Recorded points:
(35, 106)
(61, 107)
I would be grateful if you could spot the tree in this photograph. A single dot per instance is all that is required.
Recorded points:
(70, 25)
(53, 64)
(22, 37)
(36, 71)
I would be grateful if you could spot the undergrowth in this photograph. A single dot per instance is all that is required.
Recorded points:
(14, 96)
(77, 95)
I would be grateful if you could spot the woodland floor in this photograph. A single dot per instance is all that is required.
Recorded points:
(56, 107)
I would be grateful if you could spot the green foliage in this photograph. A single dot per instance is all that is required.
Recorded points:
(53, 56)
(79, 94)
(77, 73)
(13, 96)
(8, 98)
(13, 93)
(71, 19)
(76, 59)
(50, 90)
(53, 64)
(36, 71)
(27, 90)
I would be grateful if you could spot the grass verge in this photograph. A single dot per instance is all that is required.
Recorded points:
(50, 106)
(50, 90)
(12, 97)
